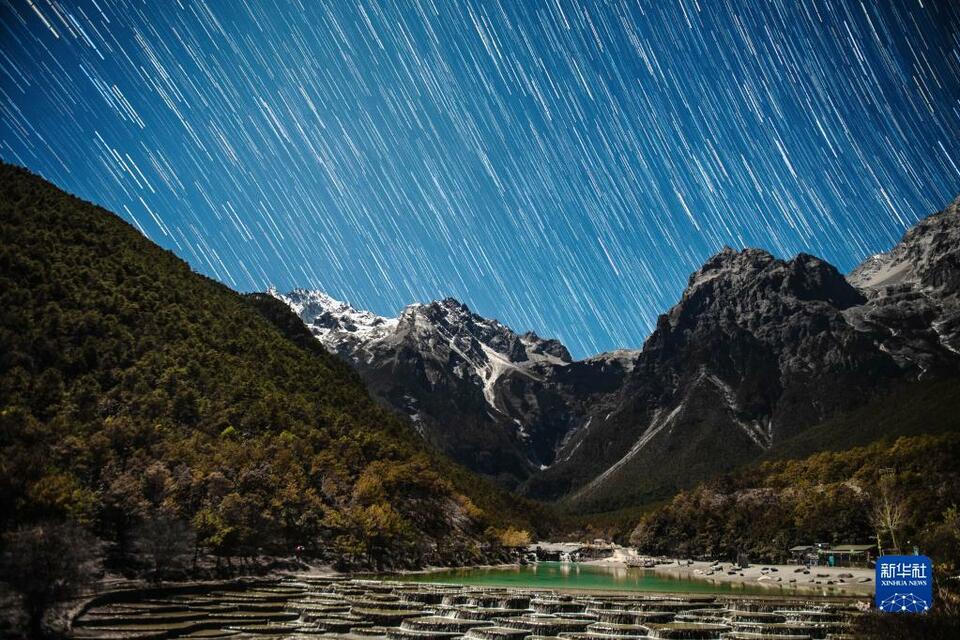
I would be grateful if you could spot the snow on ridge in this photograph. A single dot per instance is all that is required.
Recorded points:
(341, 328)
(497, 365)
(760, 434)
(907, 260)
(331, 320)
(658, 423)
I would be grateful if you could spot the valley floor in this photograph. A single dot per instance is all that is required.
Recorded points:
(829, 580)
(336, 606)
(814, 590)
(840, 580)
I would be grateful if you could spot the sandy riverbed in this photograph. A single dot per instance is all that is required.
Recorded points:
(845, 579)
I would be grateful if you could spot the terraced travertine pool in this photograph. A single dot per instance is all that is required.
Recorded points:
(342, 608)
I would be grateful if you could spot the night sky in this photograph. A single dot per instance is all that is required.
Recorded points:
(560, 166)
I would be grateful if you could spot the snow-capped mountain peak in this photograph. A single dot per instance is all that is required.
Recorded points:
(452, 321)
(926, 256)
(334, 322)
(757, 350)
(443, 330)
(447, 368)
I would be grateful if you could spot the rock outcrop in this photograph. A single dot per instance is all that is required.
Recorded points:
(757, 350)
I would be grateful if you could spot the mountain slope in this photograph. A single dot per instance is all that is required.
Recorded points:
(763, 510)
(445, 367)
(133, 388)
(757, 351)
(729, 370)
(914, 295)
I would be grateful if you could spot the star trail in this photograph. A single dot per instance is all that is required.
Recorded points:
(561, 166)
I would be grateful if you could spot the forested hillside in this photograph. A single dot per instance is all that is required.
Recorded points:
(141, 399)
(903, 493)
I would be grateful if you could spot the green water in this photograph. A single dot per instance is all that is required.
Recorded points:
(574, 576)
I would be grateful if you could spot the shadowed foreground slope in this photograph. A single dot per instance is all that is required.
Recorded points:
(136, 392)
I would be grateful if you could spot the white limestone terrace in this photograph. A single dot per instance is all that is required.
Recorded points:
(410, 607)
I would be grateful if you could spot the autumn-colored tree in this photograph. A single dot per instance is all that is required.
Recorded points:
(514, 538)
(835, 497)
(888, 511)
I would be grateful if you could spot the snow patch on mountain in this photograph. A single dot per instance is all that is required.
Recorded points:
(879, 270)
(656, 425)
(333, 321)
(484, 349)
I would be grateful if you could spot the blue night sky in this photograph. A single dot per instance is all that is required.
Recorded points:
(560, 166)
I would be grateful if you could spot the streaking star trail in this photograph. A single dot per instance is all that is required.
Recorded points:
(561, 166)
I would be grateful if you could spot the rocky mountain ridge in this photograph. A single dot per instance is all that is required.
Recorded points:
(757, 350)
(443, 366)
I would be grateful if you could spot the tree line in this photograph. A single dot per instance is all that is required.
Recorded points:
(165, 426)
(895, 494)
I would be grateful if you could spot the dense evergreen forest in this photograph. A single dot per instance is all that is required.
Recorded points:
(178, 422)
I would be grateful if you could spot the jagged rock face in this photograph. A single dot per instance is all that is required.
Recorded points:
(338, 326)
(914, 295)
(928, 258)
(445, 367)
(756, 351)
